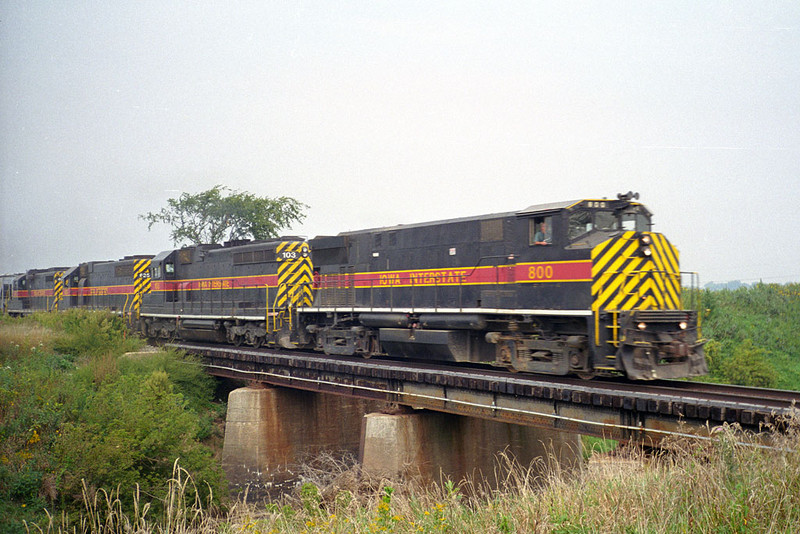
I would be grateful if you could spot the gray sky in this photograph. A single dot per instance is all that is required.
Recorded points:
(378, 113)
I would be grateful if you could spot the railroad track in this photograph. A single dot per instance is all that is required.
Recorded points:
(761, 398)
(584, 406)
(777, 399)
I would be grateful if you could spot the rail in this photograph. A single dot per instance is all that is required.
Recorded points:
(614, 409)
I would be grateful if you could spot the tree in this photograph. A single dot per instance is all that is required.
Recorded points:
(212, 216)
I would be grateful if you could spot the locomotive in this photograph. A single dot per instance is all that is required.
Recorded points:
(580, 287)
(115, 286)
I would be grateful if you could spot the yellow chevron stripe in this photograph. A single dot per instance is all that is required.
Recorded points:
(663, 280)
(141, 283)
(58, 288)
(599, 264)
(294, 275)
(641, 299)
(617, 284)
(629, 290)
(670, 252)
(626, 255)
(664, 255)
(624, 280)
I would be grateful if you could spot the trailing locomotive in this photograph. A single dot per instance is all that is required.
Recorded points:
(581, 287)
(242, 292)
(116, 286)
(36, 290)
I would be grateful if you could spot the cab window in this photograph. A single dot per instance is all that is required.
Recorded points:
(580, 223)
(606, 221)
(635, 221)
(540, 231)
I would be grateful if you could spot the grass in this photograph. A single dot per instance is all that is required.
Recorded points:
(728, 484)
(22, 338)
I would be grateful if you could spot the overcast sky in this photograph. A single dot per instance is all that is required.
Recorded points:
(378, 113)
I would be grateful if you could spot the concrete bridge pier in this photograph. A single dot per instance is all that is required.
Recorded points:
(434, 446)
(270, 431)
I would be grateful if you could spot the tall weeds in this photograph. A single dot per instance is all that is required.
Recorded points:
(731, 483)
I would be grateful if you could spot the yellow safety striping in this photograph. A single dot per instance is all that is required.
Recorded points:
(141, 283)
(295, 274)
(624, 279)
(58, 289)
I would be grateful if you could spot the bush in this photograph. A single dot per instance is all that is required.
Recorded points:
(130, 433)
(748, 366)
(87, 333)
(74, 409)
(753, 332)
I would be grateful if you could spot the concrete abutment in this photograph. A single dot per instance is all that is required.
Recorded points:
(271, 431)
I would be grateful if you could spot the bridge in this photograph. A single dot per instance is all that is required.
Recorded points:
(644, 412)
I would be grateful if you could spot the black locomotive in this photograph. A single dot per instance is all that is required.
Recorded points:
(116, 286)
(581, 287)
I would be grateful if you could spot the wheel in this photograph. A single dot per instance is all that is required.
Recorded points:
(237, 340)
(258, 342)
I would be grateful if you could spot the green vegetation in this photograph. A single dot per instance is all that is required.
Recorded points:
(754, 333)
(211, 216)
(93, 440)
(76, 415)
(723, 485)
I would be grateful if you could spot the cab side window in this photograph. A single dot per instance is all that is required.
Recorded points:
(540, 231)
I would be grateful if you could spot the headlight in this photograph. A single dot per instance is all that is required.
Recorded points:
(646, 240)
(646, 252)
(683, 325)
(642, 326)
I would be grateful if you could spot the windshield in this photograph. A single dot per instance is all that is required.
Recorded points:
(584, 221)
(635, 221)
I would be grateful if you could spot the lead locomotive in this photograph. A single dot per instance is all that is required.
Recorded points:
(580, 287)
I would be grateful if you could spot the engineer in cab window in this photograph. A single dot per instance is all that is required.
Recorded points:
(542, 236)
